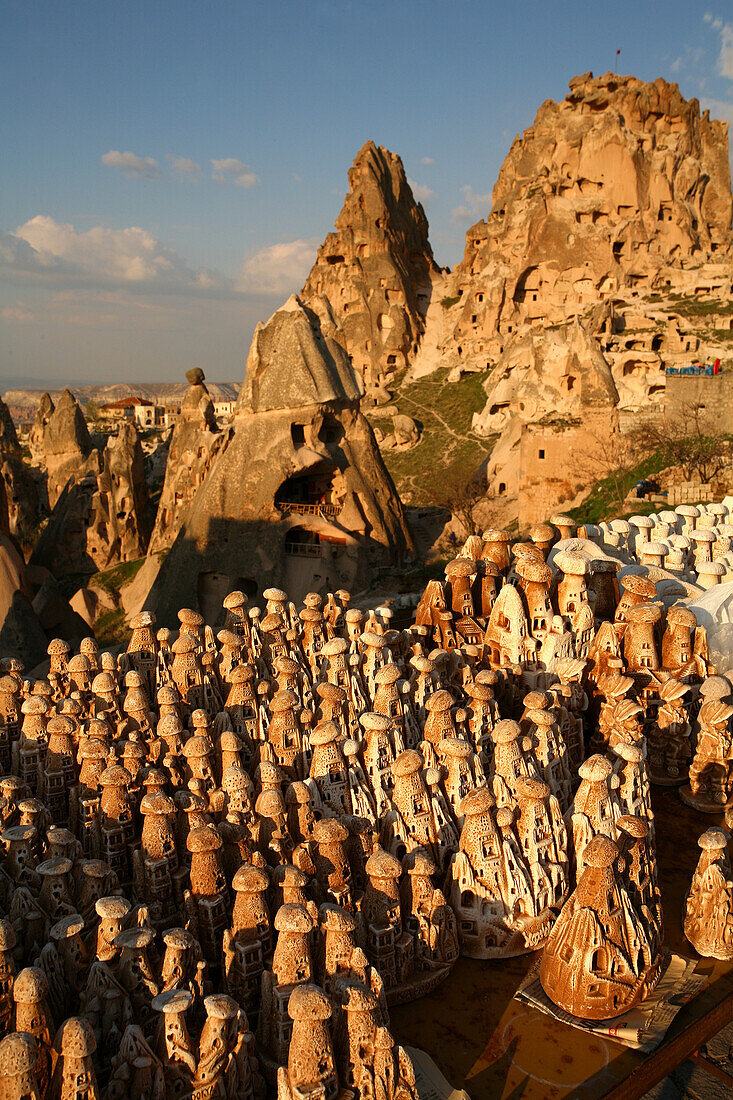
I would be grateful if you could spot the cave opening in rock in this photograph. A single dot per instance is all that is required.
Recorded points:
(309, 493)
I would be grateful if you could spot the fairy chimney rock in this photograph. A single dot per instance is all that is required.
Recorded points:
(373, 274)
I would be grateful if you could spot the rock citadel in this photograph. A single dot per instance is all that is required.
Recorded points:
(609, 211)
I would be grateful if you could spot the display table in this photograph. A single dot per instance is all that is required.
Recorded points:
(494, 1047)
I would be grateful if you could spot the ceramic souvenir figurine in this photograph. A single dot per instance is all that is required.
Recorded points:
(711, 772)
(709, 902)
(598, 961)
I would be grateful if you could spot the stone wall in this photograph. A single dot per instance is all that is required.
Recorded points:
(689, 492)
(713, 393)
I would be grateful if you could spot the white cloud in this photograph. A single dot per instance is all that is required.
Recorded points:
(475, 205)
(231, 170)
(19, 312)
(184, 166)
(132, 165)
(51, 251)
(725, 61)
(427, 160)
(421, 192)
(715, 21)
(279, 268)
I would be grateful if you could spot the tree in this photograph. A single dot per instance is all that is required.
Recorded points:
(612, 458)
(459, 496)
(92, 410)
(701, 453)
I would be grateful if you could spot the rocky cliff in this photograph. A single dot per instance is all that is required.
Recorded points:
(610, 216)
(623, 189)
(60, 442)
(21, 634)
(20, 488)
(103, 514)
(373, 274)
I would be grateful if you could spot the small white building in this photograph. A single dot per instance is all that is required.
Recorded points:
(144, 414)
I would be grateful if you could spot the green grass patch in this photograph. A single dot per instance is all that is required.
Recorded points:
(691, 306)
(111, 629)
(447, 446)
(448, 302)
(601, 503)
(112, 580)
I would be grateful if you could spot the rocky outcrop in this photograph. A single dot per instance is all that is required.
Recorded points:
(194, 442)
(623, 187)
(613, 201)
(555, 373)
(21, 634)
(373, 275)
(553, 401)
(298, 495)
(21, 491)
(60, 442)
(44, 412)
(103, 514)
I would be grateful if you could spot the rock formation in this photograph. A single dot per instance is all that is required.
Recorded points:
(194, 442)
(617, 193)
(298, 494)
(103, 513)
(60, 442)
(44, 412)
(20, 632)
(373, 275)
(556, 373)
(553, 400)
(618, 188)
(614, 201)
(20, 488)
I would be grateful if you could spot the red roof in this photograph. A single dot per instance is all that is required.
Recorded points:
(127, 403)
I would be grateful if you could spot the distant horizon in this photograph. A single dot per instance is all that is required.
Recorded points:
(169, 170)
(48, 386)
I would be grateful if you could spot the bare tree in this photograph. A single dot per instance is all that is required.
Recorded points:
(612, 458)
(701, 452)
(453, 492)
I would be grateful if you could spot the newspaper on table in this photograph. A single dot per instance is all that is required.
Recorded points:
(643, 1027)
(430, 1082)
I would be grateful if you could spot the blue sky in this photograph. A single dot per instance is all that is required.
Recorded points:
(169, 166)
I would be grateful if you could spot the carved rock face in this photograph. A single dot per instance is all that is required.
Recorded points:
(372, 276)
(300, 467)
